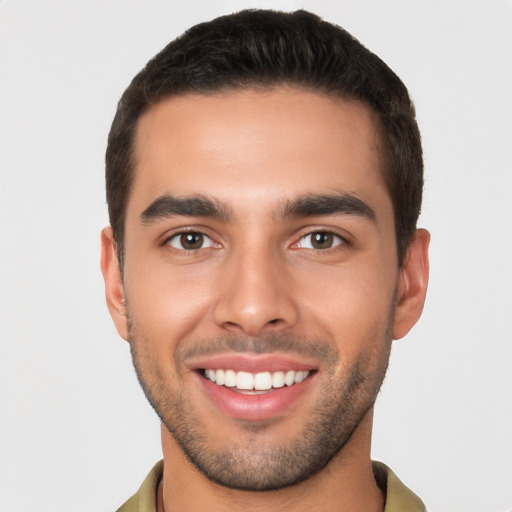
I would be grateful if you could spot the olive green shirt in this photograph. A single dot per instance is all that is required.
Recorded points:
(398, 497)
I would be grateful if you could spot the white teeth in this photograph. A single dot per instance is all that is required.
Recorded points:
(262, 381)
(219, 377)
(289, 378)
(300, 376)
(230, 378)
(278, 380)
(244, 380)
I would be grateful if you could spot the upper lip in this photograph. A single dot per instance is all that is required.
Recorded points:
(252, 363)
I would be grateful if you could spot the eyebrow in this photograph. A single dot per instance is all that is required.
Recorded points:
(342, 203)
(194, 206)
(309, 205)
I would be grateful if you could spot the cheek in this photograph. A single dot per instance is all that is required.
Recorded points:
(351, 305)
(165, 304)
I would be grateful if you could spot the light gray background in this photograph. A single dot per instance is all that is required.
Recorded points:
(75, 430)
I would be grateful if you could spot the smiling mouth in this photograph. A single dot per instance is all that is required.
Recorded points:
(246, 382)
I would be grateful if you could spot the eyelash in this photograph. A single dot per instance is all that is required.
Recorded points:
(337, 240)
(179, 234)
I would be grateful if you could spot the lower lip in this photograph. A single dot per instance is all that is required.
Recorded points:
(255, 407)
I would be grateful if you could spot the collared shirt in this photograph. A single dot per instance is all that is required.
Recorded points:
(398, 497)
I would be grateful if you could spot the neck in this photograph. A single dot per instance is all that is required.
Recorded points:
(346, 483)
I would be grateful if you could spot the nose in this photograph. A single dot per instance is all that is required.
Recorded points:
(255, 294)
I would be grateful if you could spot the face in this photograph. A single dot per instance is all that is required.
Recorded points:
(261, 282)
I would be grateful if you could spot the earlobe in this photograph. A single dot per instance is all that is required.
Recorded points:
(412, 285)
(114, 289)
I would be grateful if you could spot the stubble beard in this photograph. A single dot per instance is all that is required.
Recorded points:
(257, 466)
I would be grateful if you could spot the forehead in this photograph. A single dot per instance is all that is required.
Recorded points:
(255, 147)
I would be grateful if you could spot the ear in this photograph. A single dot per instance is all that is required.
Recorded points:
(412, 285)
(114, 289)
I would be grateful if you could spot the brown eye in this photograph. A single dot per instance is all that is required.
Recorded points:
(320, 240)
(190, 241)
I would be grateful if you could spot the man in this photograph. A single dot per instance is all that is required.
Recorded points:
(264, 179)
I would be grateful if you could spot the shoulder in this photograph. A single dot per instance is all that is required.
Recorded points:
(399, 498)
(144, 500)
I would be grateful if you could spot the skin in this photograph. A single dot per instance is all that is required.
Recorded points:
(258, 279)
